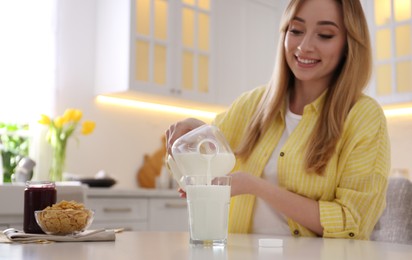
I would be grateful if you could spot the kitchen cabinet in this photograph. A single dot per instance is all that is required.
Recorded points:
(141, 209)
(168, 214)
(204, 51)
(390, 25)
(155, 46)
(119, 212)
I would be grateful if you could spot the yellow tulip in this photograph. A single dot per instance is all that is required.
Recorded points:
(88, 127)
(62, 127)
(68, 115)
(58, 122)
(77, 115)
(44, 120)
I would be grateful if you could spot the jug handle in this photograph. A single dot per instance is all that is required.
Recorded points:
(173, 170)
(208, 147)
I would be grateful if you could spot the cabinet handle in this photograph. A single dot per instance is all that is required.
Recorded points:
(111, 210)
(171, 205)
(176, 91)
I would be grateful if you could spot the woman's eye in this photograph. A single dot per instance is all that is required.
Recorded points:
(294, 31)
(326, 36)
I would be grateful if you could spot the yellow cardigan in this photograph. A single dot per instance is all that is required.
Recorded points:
(352, 191)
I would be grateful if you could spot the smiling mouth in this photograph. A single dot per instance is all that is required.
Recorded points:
(306, 61)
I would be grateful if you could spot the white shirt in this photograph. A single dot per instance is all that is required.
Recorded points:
(266, 220)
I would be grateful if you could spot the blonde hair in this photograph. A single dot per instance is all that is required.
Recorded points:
(351, 77)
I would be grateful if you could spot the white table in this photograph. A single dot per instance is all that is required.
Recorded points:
(174, 245)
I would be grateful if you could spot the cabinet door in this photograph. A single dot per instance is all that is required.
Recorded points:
(168, 215)
(155, 46)
(150, 46)
(128, 213)
(390, 24)
(171, 48)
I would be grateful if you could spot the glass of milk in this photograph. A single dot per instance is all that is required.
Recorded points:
(208, 205)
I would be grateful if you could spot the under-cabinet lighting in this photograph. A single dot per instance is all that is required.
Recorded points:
(155, 107)
(399, 111)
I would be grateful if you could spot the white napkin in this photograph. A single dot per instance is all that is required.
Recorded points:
(15, 235)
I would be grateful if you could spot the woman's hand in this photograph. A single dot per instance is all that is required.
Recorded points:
(180, 128)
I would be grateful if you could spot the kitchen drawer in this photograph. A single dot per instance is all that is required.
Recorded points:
(115, 209)
(168, 214)
(126, 225)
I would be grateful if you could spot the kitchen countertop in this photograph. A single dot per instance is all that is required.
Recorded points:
(175, 245)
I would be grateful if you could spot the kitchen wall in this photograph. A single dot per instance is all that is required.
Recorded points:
(123, 135)
(400, 133)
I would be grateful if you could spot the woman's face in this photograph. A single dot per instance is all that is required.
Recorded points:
(315, 40)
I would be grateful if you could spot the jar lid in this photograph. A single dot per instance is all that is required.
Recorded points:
(40, 184)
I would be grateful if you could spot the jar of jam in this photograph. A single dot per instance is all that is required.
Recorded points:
(37, 196)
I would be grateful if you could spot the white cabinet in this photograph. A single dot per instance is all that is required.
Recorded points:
(127, 213)
(155, 46)
(155, 210)
(204, 51)
(168, 214)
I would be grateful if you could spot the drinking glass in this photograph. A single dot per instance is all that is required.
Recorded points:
(208, 206)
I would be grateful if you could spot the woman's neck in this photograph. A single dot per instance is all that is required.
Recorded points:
(304, 93)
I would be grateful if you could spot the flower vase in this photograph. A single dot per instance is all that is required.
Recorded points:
(58, 161)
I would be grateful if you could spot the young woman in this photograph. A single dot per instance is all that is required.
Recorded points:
(312, 150)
